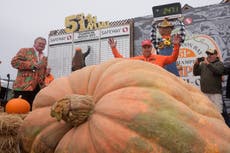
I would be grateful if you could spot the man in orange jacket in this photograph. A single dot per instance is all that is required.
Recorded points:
(147, 54)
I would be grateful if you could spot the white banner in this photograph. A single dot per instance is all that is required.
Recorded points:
(86, 35)
(115, 31)
(66, 38)
(60, 55)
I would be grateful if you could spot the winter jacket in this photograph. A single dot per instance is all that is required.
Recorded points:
(154, 59)
(210, 76)
(28, 77)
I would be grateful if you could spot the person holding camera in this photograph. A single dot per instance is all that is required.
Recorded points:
(210, 69)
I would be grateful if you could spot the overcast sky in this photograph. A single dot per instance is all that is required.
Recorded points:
(21, 21)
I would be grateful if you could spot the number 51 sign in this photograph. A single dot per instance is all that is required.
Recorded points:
(80, 22)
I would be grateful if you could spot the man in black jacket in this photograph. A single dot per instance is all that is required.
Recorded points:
(211, 70)
(78, 60)
(227, 72)
(225, 114)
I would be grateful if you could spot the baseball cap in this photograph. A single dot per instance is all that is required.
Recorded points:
(77, 49)
(211, 51)
(146, 42)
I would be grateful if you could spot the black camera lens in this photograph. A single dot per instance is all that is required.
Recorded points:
(200, 59)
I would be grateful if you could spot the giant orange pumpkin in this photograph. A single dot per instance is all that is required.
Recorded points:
(123, 106)
(17, 106)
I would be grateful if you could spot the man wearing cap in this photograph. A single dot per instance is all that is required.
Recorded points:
(147, 54)
(211, 70)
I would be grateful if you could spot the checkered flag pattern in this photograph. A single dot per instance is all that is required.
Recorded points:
(121, 22)
(156, 41)
(57, 32)
(182, 31)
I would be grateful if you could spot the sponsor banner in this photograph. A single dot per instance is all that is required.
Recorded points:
(190, 50)
(115, 31)
(80, 22)
(86, 35)
(60, 39)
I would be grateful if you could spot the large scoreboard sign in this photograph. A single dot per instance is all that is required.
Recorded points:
(170, 11)
(62, 46)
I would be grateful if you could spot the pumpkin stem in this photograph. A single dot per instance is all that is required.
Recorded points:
(74, 109)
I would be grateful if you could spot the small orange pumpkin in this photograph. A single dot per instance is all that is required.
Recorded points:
(17, 106)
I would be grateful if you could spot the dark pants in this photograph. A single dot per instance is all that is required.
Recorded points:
(27, 95)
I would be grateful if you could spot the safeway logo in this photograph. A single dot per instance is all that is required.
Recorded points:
(69, 37)
(60, 39)
(188, 21)
(125, 29)
(115, 31)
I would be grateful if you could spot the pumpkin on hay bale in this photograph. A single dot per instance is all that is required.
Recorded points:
(9, 140)
(123, 106)
(17, 106)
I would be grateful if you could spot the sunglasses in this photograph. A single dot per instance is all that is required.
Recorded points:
(146, 47)
(209, 54)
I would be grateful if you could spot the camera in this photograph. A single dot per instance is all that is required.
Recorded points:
(200, 59)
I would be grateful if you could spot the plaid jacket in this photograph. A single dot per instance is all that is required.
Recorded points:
(28, 77)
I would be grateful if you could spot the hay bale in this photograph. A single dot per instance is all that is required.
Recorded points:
(1, 108)
(7, 142)
(9, 125)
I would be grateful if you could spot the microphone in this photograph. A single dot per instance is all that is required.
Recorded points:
(8, 76)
